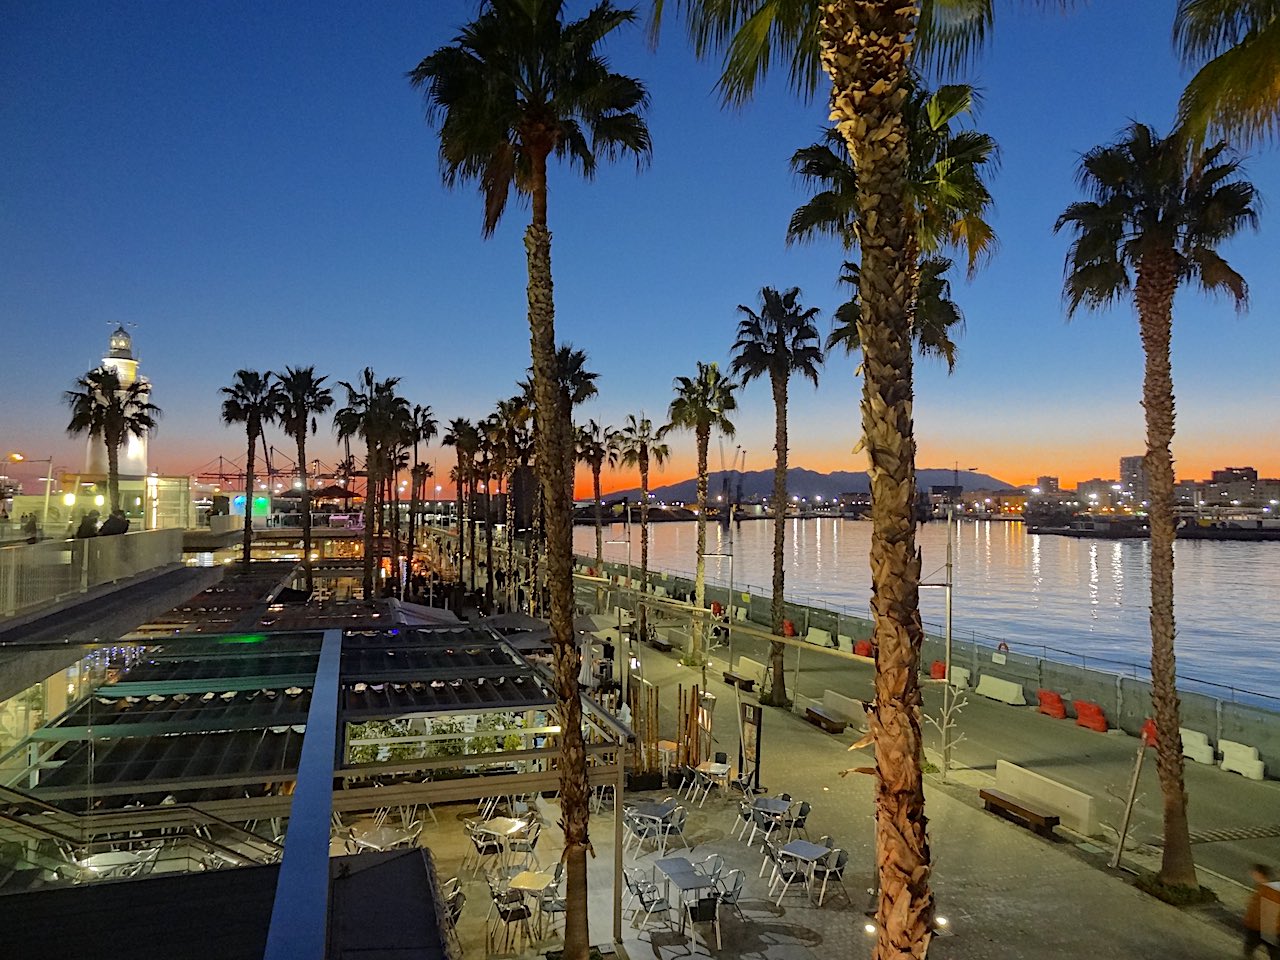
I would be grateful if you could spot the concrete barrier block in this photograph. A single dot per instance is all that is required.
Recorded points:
(846, 642)
(1195, 746)
(818, 636)
(1006, 691)
(960, 677)
(1075, 808)
(1242, 759)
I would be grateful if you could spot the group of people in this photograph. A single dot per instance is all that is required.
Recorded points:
(28, 523)
(115, 524)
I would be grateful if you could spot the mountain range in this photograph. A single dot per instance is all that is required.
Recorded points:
(758, 484)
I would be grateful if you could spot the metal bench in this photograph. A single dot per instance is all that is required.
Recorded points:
(827, 721)
(1039, 819)
(737, 680)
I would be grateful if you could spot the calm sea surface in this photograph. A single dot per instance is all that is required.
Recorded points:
(1080, 598)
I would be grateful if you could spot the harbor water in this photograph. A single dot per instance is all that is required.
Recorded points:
(1058, 597)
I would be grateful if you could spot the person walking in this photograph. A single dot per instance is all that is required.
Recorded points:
(1260, 875)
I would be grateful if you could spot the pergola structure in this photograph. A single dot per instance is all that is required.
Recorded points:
(298, 724)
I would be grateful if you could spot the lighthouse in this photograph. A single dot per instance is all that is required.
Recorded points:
(133, 455)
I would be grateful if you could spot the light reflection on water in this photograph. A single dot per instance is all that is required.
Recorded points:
(1088, 597)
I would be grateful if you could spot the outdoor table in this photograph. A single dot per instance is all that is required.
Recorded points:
(772, 805)
(504, 828)
(666, 752)
(808, 854)
(654, 809)
(717, 772)
(532, 881)
(381, 838)
(682, 873)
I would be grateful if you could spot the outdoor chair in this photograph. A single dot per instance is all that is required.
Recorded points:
(743, 821)
(705, 910)
(551, 903)
(710, 866)
(636, 883)
(827, 841)
(526, 846)
(651, 902)
(786, 870)
(764, 824)
(483, 847)
(514, 918)
(640, 829)
(831, 867)
(453, 910)
(730, 890)
(797, 822)
(500, 895)
(674, 827)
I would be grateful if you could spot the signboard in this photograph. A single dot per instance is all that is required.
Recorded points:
(749, 718)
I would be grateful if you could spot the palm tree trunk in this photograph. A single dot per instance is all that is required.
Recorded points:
(777, 695)
(308, 574)
(1157, 280)
(700, 569)
(511, 541)
(641, 617)
(113, 470)
(595, 489)
(488, 544)
(471, 515)
(415, 485)
(370, 496)
(552, 435)
(460, 483)
(249, 464)
(866, 48)
(393, 482)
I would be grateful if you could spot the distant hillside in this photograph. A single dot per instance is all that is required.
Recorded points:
(758, 484)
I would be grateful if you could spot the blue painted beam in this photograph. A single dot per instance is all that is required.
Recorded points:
(300, 916)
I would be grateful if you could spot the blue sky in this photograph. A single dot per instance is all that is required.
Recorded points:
(254, 185)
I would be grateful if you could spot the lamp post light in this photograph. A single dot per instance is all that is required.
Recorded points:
(626, 673)
(16, 457)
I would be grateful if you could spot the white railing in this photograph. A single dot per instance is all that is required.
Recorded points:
(36, 574)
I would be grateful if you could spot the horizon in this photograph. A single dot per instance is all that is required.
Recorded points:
(253, 194)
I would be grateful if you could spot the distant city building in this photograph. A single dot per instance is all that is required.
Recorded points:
(1133, 479)
(133, 455)
(1098, 493)
(1048, 486)
(1234, 475)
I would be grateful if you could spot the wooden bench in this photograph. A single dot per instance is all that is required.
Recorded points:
(658, 643)
(737, 680)
(827, 721)
(1037, 818)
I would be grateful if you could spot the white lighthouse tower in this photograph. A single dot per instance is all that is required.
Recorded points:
(133, 455)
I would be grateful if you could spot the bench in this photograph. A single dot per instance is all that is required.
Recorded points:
(848, 709)
(827, 721)
(1075, 809)
(660, 643)
(1040, 820)
(737, 680)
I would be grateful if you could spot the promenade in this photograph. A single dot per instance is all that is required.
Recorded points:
(1006, 892)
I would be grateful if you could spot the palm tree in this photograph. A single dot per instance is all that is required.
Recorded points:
(423, 428)
(935, 319)
(104, 408)
(596, 446)
(866, 48)
(376, 414)
(254, 400)
(1153, 222)
(1235, 47)
(517, 86)
(640, 446)
(511, 429)
(463, 436)
(301, 397)
(777, 342)
(702, 404)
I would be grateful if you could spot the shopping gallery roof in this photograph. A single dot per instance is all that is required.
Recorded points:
(205, 718)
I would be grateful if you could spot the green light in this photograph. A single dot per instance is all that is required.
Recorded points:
(244, 638)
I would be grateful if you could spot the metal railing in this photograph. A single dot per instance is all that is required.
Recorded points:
(33, 575)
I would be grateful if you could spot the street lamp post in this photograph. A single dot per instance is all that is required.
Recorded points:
(48, 480)
(626, 671)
